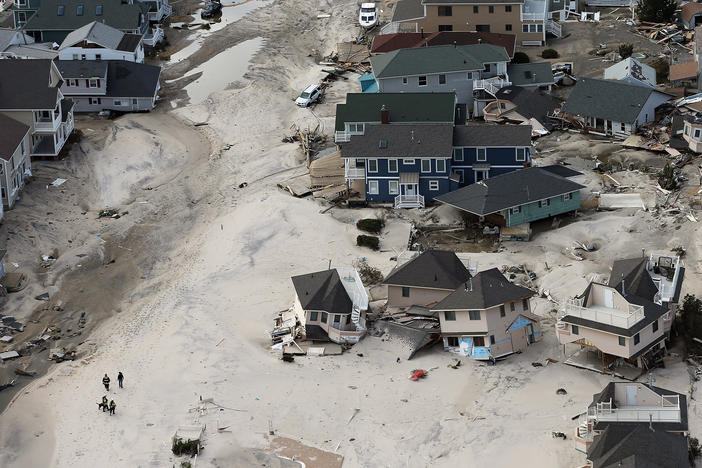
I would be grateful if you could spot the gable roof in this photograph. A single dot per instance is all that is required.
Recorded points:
(607, 99)
(561, 170)
(436, 59)
(418, 108)
(509, 190)
(636, 279)
(322, 290)
(129, 42)
(435, 269)
(13, 132)
(530, 103)
(398, 141)
(82, 68)
(99, 33)
(630, 67)
(124, 78)
(119, 15)
(25, 84)
(408, 10)
(384, 43)
(636, 445)
(524, 74)
(487, 289)
(492, 135)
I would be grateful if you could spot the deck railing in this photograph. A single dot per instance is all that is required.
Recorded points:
(615, 317)
(409, 201)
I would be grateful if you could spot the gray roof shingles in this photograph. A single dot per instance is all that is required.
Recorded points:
(492, 135)
(636, 279)
(530, 104)
(636, 445)
(487, 289)
(25, 85)
(13, 132)
(123, 16)
(82, 68)
(322, 290)
(509, 190)
(607, 99)
(98, 33)
(124, 79)
(408, 10)
(400, 141)
(523, 74)
(434, 269)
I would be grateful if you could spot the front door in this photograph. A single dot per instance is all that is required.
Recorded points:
(609, 298)
(480, 175)
(410, 190)
(630, 395)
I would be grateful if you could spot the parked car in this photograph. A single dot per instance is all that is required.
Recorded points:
(309, 96)
(212, 8)
(368, 16)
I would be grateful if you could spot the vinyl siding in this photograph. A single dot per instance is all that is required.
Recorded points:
(532, 212)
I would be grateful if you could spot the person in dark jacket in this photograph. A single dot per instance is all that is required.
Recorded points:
(120, 378)
(106, 382)
(112, 407)
(103, 404)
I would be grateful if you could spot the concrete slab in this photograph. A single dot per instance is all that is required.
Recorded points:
(621, 200)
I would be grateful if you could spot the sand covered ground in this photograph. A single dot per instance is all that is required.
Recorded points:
(202, 267)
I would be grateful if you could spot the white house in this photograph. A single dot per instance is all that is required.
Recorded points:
(97, 41)
(632, 71)
(15, 145)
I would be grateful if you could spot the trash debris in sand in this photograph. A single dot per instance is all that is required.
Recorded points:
(537, 364)
(42, 297)
(57, 182)
(61, 354)
(561, 391)
(24, 372)
(558, 435)
(456, 365)
(6, 339)
(7, 385)
(417, 374)
(9, 355)
(110, 213)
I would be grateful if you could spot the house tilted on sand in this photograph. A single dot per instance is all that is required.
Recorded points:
(330, 305)
(634, 424)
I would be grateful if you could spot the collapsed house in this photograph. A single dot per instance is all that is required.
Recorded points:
(521, 106)
(632, 71)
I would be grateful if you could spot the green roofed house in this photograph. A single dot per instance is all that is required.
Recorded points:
(515, 199)
(532, 76)
(612, 107)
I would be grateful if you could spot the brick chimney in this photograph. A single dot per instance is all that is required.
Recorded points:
(384, 115)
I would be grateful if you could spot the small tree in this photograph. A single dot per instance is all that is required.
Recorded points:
(656, 11)
(666, 178)
(520, 57)
(691, 319)
(549, 53)
(694, 450)
(625, 50)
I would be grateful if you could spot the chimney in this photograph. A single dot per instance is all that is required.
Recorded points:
(384, 115)
(329, 267)
(643, 253)
(436, 277)
(471, 283)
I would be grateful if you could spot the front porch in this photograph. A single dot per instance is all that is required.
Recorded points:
(409, 196)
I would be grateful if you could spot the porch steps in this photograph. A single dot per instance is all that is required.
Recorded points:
(356, 318)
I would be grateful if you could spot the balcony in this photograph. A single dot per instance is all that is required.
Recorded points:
(491, 85)
(665, 273)
(354, 287)
(409, 201)
(668, 410)
(342, 137)
(615, 317)
(47, 124)
(154, 37)
(352, 171)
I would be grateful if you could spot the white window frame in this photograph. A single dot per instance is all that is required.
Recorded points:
(443, 162)
(460, 152)
(461, 175)
(515, 210)
(523, 158)
(687, 130)
(434, 185)
(567, 196)
(397, 165)
(477, 154)
(393, 187)
(421, 166)
(117, 102)
(696, 134)
(409, 161)
(91, 81)
(373, 188)
(545, 201)
(368, 165)
(419, 80)
(357, 127)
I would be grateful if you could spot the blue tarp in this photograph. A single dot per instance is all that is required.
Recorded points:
(368, 83)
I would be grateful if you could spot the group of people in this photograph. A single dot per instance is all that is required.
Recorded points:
(110, 406)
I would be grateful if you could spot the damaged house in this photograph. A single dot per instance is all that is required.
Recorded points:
(520, 106)
(632, 71)
(487, 318)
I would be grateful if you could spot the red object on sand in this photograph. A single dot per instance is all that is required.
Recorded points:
(418, 374)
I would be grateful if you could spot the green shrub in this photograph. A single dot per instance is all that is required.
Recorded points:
(187, 447)
(371, 242)
(520, 57)
(370, 225)
(694, 450)
(625, 50)
(549, 54)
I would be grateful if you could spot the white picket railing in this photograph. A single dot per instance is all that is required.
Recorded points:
(409, 201)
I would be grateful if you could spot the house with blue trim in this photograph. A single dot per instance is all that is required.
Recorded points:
(487, 318)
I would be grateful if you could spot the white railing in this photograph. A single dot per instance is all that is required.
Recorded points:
(642, 414)
(342, 137)
(167, 10)
(409, 201)
(615, 317)
(153, 38)
(353, 172)
(491, 85)
(354, 287)
(390, 28)
(533, 16)
(554, 28)
(51, 125)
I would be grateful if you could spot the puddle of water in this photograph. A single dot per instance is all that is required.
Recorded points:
(186, 51)
(224, 68)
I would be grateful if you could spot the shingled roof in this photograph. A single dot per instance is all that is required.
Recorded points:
(487, 289)
(25, 85)
(322, 290)
(384, 43)
(398, 141)
(120, 15)
(435, 269)
(492, 135)
(635, 445)
(637, 281)
(12, 134)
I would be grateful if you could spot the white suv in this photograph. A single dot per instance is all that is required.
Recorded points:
(309, 96)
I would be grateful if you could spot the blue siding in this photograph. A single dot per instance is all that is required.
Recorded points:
(466, 348)
(500, 159)
(383, 176)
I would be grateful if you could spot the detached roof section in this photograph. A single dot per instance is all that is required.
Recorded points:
(509, 190)
(397, 141)
(435, 269)
(492, 135)
(524, 74)
(11, 135)
(25, 84)
(530, 104)
(607, 99)
(683, 71)
(114, 13)
(485, 290)
(322, 290)
(389, 42)
(416, 108)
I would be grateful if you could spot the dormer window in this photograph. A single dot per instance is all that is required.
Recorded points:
(60, 10)
(79, 10)
(98, 10)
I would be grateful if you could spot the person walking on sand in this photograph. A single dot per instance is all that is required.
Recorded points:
(120, 378)
(112, 407)
(106, 382)
(103, 404)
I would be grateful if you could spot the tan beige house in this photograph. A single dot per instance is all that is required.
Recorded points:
(488, 317)
(692, 132)
(425, 280)
(529, 20)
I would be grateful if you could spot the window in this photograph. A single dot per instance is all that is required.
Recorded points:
(445, 11)
(525, 28)
(22, 3)
(539, 28)
(486, 68)
(422, 80)
(696, 134)
(655, 326)
(98, 57)
(117, 102)
(442, 79)
(408, 161)
(479, 341)
(458, 154)
(94, 101)
(314, 316)
(60, 10)
(372, 165)
(516, 210)
(491, 9)
(356, 127)
(502, 310)
(474, 314)
(98, 10)
(482, 27)
(324, 317)
(79, 10)
(574, 329)
(405, 291)
(445, 27)
(622, 341)
(373, 187)
(83, 57)
(392, 165)
(348, 319)
(492, 339)
(567, 196)
(393, 187)
(440, 165)
(511, 307)
(481, 154)
(459, 173)
(22, 150)
(508, 8)
(452, 341)
(76, 56)
(433, 185)
(337, 318)
(93, 84)
(475, 9)
(521, 154)
(426, 165)
(508, 27)
(404, 80)
(637, 339)
(450, 315)
(543, 203)
(687, 130)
